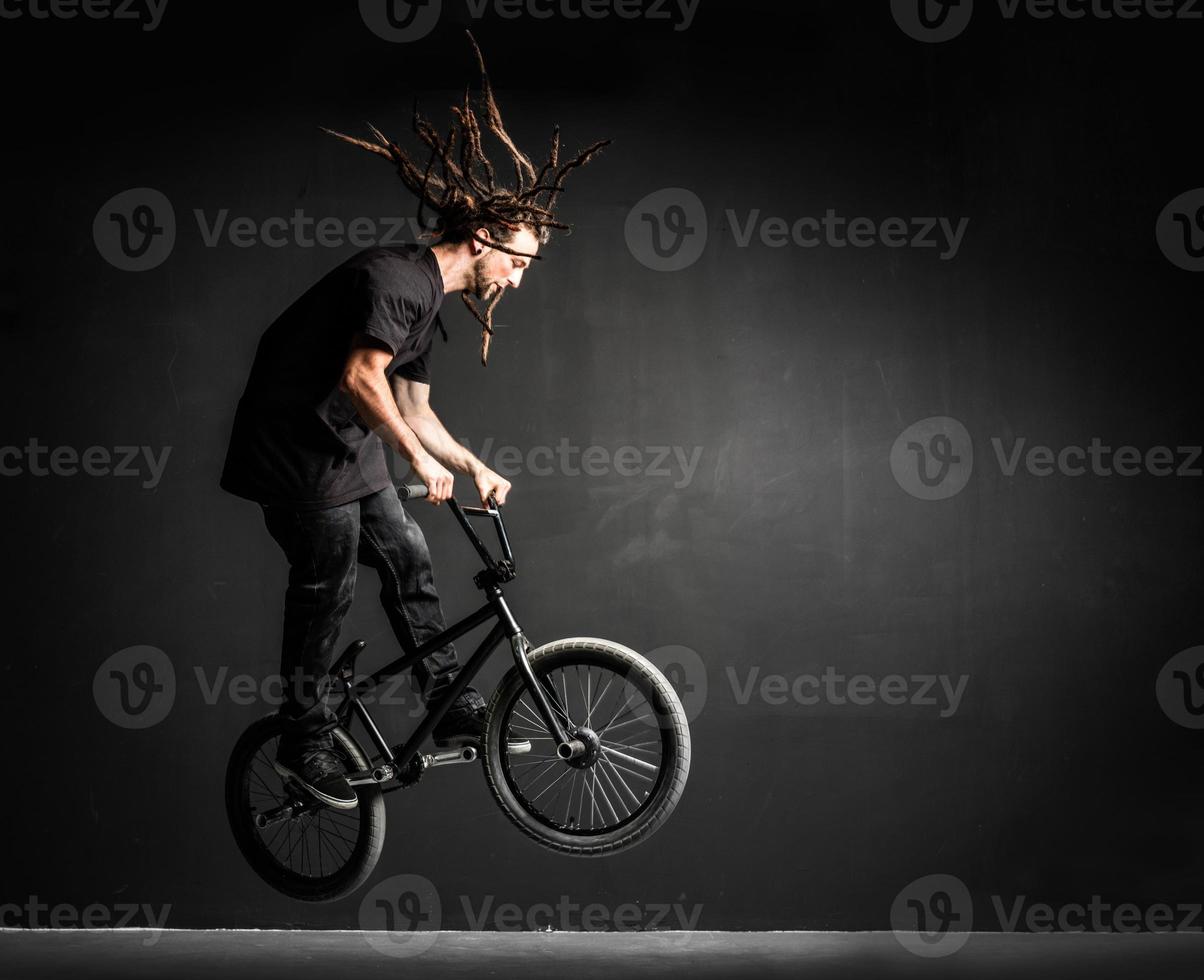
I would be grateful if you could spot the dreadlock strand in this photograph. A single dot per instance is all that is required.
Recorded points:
(582, 158)
(553, 157)
(503, 248)
(471, 156)
(523, 169)
(356, 141)
(473, 133)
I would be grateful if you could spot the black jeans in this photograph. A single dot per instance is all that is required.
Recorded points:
(323, 548)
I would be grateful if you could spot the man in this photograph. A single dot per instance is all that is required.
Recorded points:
(347, 368)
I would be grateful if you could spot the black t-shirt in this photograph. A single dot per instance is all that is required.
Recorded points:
(297, 439)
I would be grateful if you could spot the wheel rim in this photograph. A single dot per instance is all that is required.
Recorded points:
(627, 739)
(314, 844)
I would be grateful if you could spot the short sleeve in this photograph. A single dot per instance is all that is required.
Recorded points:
(381, 305)
(418, 369)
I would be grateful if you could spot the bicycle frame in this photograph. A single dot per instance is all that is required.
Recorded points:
(489, 580)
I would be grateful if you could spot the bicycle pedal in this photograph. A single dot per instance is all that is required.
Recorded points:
(461, 742)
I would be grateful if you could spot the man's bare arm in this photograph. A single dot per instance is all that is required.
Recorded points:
(365, 383)
(413, 404)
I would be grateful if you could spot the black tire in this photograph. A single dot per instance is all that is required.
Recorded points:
(665, 747)
(339, 848)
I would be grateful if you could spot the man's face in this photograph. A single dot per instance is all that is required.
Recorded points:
(495, 270)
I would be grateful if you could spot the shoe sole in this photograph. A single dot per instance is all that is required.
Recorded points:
(286, 773)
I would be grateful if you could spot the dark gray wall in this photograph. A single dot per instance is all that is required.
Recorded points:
(793, 547)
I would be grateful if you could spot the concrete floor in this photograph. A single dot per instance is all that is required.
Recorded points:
(299, 955)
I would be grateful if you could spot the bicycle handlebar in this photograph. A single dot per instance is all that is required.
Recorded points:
(416, 491)
(504, 568)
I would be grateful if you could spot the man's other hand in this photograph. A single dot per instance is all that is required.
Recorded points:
(489, 482)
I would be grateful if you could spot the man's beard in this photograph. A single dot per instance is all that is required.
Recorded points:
(490, 292)
(482, 286)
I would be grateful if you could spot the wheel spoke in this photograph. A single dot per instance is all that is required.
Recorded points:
(605, 797)
(632, 772)
(519, 710)
(629, 721)
(618, 795)
(567, 770)
(615, 716)
(582, 691)
(619, 776)
(598, 701)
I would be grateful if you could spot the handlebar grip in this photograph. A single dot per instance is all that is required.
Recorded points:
(412, 491)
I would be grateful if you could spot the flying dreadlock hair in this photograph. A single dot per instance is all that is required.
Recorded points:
(465, 193)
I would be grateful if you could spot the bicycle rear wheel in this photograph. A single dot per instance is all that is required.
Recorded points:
(298, 846)
(637, 741)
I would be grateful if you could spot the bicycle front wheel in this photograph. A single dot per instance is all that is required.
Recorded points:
(633, 772)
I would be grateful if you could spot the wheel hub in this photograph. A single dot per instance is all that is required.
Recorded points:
(593, 748)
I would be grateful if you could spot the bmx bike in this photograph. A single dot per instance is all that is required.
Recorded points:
(586, 748)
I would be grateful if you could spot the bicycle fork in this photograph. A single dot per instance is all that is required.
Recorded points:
(566, 747)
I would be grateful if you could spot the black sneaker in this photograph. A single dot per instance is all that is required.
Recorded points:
(464, 724)
(320, 773)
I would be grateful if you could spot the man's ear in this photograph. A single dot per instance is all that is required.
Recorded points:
(477, 247)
